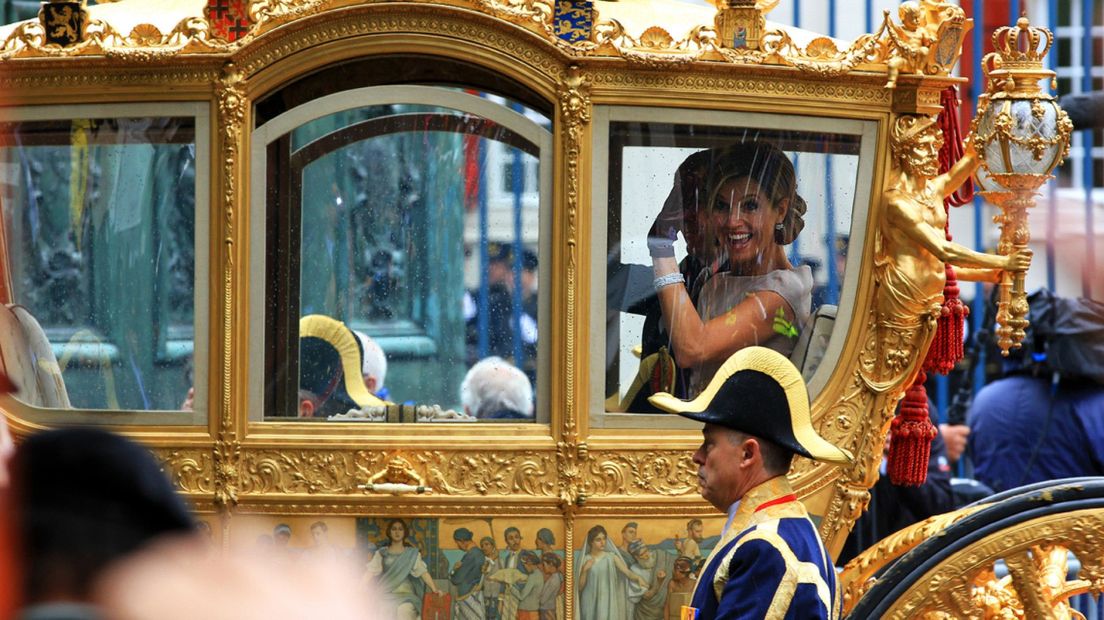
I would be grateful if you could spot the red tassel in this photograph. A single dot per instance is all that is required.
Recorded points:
(946, 348)
(911, 437)
(952, 150)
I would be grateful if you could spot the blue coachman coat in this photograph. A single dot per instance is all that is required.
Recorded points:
(769, 564)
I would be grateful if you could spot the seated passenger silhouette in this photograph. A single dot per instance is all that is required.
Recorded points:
(496, 389)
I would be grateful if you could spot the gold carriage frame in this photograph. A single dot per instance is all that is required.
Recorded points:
(568, 470)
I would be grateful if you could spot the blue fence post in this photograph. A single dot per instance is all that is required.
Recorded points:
(517, 186)
(1052, 204)
(832, 285)
(1089, 266)
(483, 317)
(977, 309)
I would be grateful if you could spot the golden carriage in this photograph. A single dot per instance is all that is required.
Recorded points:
(183, 181)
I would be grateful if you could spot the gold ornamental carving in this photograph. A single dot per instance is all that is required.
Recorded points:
(668, 473)
(911, 249)
(858, 575)
(848, 424)
(452, 473)
(231, 116)
(400, 19)
(862, 90)
(143, 43)
(927, 42)
(191, 470)
(264, 11)
(28, 82)
(1035, 552)
(575, 114)
(525, 12)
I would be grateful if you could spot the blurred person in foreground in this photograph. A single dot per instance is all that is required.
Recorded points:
(87, 499)
(104, 535)
(770, 561)
(9, 573)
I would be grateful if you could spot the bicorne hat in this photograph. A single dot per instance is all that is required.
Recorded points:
(330, 362)
(759, 392)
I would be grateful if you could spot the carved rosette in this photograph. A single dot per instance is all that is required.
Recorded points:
(227, 476)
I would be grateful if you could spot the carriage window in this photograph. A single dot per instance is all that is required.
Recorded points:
(404, 253)
(722, 237)
(100, 250)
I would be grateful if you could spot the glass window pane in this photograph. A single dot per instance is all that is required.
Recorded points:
(756, 223)
(99, 227)
(412, 238)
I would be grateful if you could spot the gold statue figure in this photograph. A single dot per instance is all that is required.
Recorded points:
(917, 36)
(911, 39)
(911, 246)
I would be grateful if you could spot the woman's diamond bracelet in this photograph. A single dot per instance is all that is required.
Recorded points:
(668, 280)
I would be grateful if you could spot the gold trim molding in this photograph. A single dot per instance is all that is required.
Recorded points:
(920, 47)
(574, 113)
(448, 474)
(232, 104)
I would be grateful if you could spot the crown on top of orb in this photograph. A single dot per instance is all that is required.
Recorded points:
(1023, 43)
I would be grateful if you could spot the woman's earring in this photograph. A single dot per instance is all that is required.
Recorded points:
(780, 234)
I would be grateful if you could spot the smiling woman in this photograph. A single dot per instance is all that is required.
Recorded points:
(726, 264)
(755, 294)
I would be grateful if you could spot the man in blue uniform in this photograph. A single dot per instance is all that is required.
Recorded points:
(770, 562)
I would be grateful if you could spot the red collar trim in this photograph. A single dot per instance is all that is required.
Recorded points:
(778, 500)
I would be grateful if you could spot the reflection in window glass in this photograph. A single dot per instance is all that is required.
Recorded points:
(415, 228)
(719, 238)
(98, 222)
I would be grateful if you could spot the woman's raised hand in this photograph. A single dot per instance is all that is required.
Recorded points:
(668, 223)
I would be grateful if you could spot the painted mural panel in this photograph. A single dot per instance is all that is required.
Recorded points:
(464, 568)
(628, 569)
